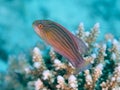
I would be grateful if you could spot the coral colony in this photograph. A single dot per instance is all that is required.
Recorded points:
(54, 73)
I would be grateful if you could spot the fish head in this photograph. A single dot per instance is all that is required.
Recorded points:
(41, 26)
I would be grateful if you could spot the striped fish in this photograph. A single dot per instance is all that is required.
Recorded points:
(63, 42)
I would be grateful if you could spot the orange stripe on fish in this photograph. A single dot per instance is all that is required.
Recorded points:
(58, 36)
(63, 41)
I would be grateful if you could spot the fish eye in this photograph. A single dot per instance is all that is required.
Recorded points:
(40, 26)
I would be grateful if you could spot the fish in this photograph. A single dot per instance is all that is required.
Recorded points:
(63, 42)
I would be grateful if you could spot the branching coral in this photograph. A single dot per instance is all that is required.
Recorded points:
(57, 73)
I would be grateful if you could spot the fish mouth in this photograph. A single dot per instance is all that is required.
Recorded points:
(33, 24)
(35, 27)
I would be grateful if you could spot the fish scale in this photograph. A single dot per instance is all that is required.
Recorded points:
(63, 41)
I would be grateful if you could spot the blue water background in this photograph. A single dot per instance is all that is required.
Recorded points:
(16, 17)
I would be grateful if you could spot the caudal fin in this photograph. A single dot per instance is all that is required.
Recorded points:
(83, 66)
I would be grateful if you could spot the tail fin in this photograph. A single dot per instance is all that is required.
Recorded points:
(79, 63)
(83, 66)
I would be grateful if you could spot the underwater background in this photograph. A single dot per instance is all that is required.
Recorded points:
(16, 18)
